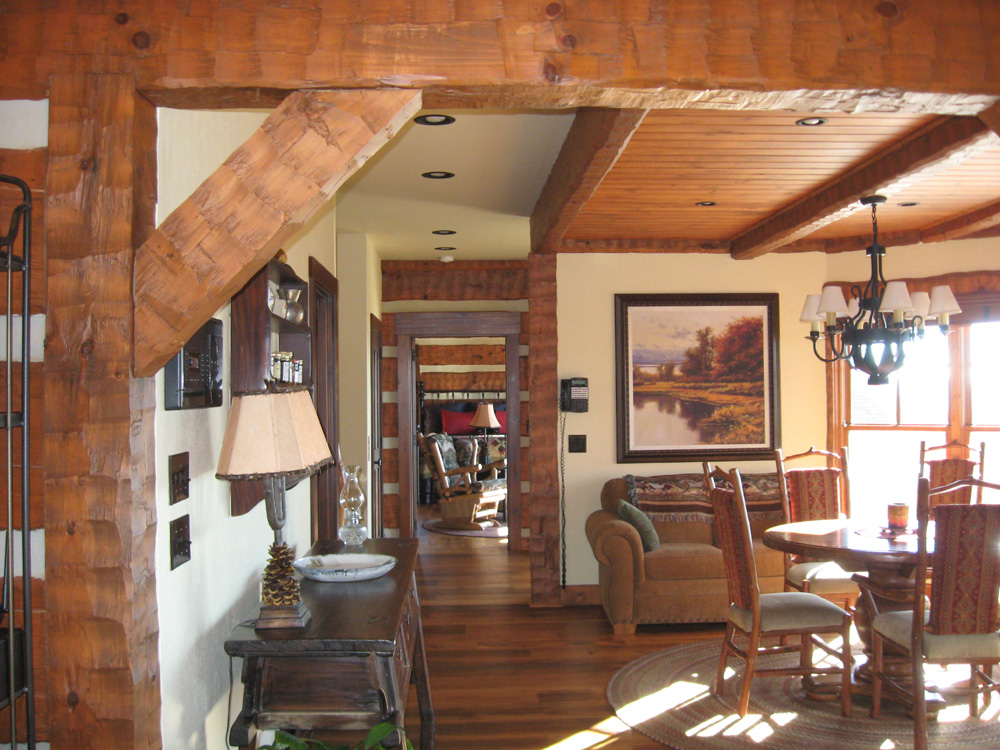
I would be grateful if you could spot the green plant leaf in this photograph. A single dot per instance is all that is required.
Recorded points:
(378, 733)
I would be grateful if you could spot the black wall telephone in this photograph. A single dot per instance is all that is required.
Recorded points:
(573, 395)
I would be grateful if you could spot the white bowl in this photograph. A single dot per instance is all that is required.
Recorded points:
(345, 567)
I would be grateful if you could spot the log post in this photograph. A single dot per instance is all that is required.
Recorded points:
(102, 656)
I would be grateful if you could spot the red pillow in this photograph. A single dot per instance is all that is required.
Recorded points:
(502, 419)
(457, 422)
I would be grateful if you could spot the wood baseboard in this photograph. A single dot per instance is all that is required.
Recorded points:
(580, 596)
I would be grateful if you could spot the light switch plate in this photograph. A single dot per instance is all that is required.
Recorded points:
(577, 443)
(180, 541)
(180, 476)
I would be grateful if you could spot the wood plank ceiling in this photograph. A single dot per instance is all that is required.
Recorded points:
(776, 185)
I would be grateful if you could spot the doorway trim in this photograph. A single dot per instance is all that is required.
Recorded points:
(410, 326)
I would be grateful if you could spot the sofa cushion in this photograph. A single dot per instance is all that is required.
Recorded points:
(647, 533)
(683, 560)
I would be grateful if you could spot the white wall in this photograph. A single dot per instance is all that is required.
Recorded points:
(203, 600)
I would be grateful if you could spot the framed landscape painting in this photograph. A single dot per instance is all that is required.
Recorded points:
(696, 376)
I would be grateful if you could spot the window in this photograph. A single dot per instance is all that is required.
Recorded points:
(945, 391)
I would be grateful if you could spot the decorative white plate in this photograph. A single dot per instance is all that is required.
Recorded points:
(345, 567)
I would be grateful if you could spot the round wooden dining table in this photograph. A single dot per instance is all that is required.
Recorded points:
(883, 563)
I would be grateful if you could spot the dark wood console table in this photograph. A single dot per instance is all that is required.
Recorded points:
(349, 668)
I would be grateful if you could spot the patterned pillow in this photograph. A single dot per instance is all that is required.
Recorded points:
(674, 497)
(496, 448)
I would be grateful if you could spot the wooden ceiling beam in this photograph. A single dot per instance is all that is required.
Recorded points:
(209, 247)
(991, 118)
(966, 225)
(641, 245)
(943, 143)
(595, 140)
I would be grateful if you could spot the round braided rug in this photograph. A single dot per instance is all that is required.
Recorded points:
(667, 696)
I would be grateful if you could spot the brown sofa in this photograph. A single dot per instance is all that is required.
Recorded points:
(684, 579)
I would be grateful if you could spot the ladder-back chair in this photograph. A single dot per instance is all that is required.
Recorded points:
(946, 468)
(960, 626)
(782, 615)
(812, 494)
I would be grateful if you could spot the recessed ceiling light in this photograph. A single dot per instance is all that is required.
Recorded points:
(444, 249)
(438, 175)
(705, 203)
(434, 120)
(907, 204)
(443, 231)
(811, 122)
(446, 259)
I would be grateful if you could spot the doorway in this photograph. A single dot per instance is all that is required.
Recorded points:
(410, 326)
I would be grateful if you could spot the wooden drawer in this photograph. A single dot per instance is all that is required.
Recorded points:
(308, 691)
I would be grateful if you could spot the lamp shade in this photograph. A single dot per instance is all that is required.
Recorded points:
(921, 304)
(832, 301)
(943, 302)
(273, 434)
(809, 309)
(896, 297)
(485, 417)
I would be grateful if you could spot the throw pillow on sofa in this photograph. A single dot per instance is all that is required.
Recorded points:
(647, 533)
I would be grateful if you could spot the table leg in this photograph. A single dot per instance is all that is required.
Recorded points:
(422, 682)
(890, 590)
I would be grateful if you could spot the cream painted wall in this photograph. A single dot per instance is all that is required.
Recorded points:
(587, 284)
(203, 600)
(359, 296)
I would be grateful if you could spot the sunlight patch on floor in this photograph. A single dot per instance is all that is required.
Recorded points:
(654, 704)
(598, 736)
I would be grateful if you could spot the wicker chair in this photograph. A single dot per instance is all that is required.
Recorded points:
(785, 614)
(812, 494)
(961, 625)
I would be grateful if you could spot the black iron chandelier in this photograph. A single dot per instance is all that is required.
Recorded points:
(870, 332)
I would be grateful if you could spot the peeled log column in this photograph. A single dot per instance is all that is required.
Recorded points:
(97, 422)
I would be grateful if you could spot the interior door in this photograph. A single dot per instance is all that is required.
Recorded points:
(325, 485)
(375, 483)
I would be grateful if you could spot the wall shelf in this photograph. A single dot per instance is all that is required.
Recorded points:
(257, 333)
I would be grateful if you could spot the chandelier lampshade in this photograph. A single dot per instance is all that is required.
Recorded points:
(870, 331)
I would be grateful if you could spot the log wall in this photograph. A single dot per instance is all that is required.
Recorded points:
(464, 281)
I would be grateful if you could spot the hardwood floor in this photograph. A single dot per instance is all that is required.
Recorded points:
(506, 676)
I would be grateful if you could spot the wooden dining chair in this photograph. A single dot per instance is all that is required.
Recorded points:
(960, 626)
(811, 494)
(756, 615)
(951, 468)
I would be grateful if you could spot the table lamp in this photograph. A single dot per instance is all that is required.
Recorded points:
(485, 419)
(275, 435)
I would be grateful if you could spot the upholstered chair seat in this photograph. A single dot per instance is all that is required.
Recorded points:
(896, 626)
(789, 610)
